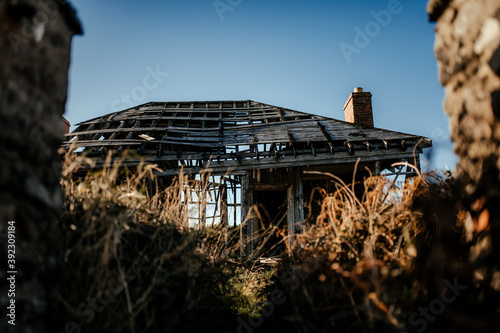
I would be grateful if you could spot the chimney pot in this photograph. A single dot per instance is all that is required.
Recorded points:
(358, 108)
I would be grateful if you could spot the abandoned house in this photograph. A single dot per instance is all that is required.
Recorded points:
(247, 153)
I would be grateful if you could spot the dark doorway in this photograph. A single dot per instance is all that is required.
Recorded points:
(273, 212)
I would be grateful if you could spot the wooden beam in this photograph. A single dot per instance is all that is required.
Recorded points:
(350, 147)
(290, 214)
(223, 205)
(247, 233)
(313, 150)
(291, 143)
(299, 201)
(233, 166)
(327, 137)
(281, 114)
(203, 203)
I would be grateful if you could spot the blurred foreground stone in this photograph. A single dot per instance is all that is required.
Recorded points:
(35, 41)
(467, 48)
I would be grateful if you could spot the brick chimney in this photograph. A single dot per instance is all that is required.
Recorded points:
(66, 125)
(358, 108)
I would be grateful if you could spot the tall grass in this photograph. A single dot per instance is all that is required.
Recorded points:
(350, 271)
(164, 277)
(366, 265)
(378, 226)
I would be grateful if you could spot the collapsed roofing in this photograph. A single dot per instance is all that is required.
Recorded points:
(236, 136)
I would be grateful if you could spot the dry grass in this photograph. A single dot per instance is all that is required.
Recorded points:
(376, 226)
(371, 262)
(366, 265)
(350, 271)
(167, 276)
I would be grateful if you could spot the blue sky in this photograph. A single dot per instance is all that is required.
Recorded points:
(303, 55)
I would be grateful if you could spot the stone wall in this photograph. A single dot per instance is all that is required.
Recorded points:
(467, 48)
(35, 41)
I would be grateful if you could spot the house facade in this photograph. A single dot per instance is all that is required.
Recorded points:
(247, 154)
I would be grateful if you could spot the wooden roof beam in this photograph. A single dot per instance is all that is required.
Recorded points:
(250, 120)
(266, 119)
(159, 150)
(291, 143)
(282, 114)
(327, 136)
(402, 144)
(203, 121)
(221, 127)
(313, 150)
(255, 149)
(89, 128)
(368, 145)
(350, 147)
(284, 161)
(188, 122)
(79, 129)
(130, 134)
(386, 144)
(272, 146)
(160, 115)
(171, 121)
(237, 154)
(165, 136)
(98, 135)
(113, 136)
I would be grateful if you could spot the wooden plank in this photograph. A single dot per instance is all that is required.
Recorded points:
(203, 202)
(247, 233)
(223, 207)
(250, 111)
(294, 156)
(299, 201)
(234, 127)
(260, 133)
(290, 214)
(231, 167)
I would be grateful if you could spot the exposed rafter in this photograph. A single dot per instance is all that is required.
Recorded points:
(234, 131)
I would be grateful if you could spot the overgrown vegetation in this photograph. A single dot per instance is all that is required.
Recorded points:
(129, 264)
(368, 264)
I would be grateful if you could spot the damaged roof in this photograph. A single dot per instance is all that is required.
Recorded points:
(235, 136)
